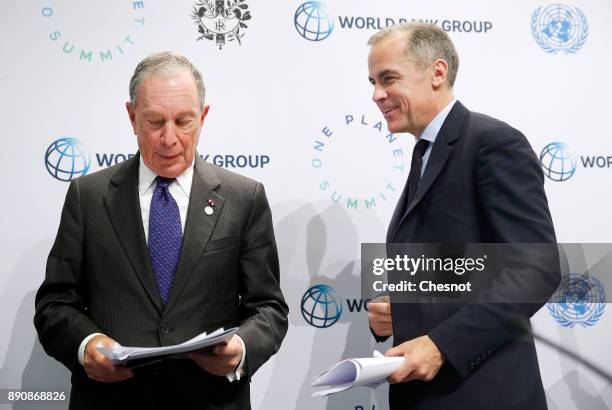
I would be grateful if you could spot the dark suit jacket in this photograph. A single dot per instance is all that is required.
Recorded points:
(482, 184)
(99, 279)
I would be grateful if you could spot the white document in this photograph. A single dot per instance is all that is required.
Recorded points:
(369, 371)
(124, 355)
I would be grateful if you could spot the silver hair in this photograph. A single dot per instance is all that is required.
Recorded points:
(425, 43)
(165, 62)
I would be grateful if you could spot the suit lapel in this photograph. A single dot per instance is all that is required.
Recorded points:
(123, 207)
(397, 214)
(199, 226)
(443, 146)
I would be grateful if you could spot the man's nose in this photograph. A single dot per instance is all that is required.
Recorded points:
(169, 135)
(379, 94)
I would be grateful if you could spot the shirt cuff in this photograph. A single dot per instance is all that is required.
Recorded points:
(239, 372)
(83, 344)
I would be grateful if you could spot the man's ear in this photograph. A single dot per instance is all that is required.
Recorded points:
(131, 114)
(440, 71)
(204, 113)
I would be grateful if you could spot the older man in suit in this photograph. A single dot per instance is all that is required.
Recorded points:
(156, 250)
(473, 179)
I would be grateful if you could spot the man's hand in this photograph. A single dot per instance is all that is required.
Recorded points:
(379, 315)
(221, 359)
(98, 367)
(423, 360)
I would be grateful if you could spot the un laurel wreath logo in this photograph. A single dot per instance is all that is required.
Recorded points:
(580, 300)
(67, 159)
(321, 306)
(559, 28)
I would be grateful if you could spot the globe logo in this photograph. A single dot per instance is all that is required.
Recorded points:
(321, 307)
(559, 28)
(557, 162)
(67, 159)
(579, 300)
(312, 21)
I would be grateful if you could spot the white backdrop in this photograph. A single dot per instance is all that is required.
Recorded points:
(273, 97)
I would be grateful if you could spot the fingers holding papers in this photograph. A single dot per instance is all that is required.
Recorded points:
(220, 359)
(423, 360)
(98, 367)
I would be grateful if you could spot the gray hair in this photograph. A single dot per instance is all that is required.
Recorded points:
(165, 62)
(425, 43)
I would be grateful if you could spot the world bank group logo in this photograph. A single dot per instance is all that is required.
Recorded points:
(221, 21)
(580, 300)
(321, 306)
(559, 28)
(557, 162)
(66, 159)
(91, 33)
(312, 21)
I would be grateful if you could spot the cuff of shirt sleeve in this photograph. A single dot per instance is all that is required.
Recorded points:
(239, 372)
(81, 351)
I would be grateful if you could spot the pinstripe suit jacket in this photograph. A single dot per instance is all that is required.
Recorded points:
(99, 279)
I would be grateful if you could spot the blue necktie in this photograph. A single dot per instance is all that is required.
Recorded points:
(165, 236)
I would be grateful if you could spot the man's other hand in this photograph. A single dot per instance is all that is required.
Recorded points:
(379, 315)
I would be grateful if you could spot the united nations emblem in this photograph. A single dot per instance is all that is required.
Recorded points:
(221, 20)
(559, 28)
(580, 299)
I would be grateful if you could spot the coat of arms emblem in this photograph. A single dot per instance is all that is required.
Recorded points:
(221, 21)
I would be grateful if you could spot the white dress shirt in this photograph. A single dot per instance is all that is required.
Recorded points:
(180, 189)
(430, 133)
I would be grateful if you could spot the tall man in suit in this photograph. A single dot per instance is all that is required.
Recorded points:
(473, 179)
(156, 250)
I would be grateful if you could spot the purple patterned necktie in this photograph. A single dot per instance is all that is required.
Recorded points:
(165, 236)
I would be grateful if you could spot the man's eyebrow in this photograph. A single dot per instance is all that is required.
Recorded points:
(386, 72)
(383, 74)
(150, 113)
(186, 113)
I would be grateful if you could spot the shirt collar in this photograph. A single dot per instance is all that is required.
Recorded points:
(433, 128)
(146, 178)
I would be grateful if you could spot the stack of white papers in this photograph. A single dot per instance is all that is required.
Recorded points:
(369, 371)
(125, 355)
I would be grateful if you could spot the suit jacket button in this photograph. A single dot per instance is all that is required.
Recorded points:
(472, 365)
(164, 329)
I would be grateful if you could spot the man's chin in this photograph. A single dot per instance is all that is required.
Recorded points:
(171, 171)
(393, 128)
(398, 128)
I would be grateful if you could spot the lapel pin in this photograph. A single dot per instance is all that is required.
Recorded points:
(209, 209)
